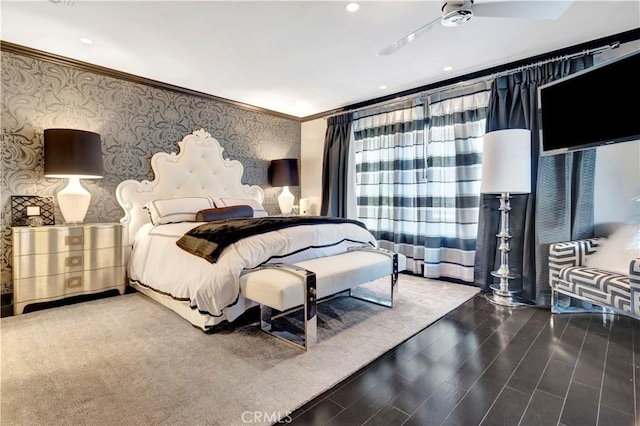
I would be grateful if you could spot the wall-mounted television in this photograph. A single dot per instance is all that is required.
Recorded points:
(597, 106)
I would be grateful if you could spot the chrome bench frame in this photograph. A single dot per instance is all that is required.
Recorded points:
(310, 336)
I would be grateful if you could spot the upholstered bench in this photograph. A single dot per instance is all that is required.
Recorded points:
(571, 274)
(284, 287)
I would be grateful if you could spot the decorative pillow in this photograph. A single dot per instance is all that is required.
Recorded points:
(258, 209)
(218, 213)
(179, 209)
(615, 253)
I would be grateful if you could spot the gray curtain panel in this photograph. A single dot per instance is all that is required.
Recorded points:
(560, 206)
(335, 166)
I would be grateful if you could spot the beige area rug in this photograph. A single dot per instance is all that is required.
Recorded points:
(126, 360)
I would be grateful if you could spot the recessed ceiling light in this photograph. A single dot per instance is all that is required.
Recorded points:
(291, 102)
(447, 68)
(352, 7)
(86, 40)
(382, 87)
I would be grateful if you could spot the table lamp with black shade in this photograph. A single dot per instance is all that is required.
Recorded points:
(74, 155)
(284, 173)
(506, 170)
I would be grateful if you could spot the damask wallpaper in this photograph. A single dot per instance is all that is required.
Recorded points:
(134, 120)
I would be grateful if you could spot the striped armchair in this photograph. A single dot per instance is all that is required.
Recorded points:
(606, 289)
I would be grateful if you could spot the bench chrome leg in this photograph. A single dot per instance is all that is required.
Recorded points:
(265, 318)
(358, 293)
(310, 337)
(310, 311)
(554, 300)
(565, 302)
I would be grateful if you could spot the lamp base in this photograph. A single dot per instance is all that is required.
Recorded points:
(511, 301)
(285, 201)
(502, 296)
(74, 201)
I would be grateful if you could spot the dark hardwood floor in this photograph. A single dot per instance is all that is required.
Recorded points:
(487, 365)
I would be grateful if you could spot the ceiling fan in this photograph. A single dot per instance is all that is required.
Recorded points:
(457, 12)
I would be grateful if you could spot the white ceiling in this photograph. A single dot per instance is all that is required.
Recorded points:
(295, 57)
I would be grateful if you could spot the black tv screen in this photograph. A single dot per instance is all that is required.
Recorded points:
(597, 106)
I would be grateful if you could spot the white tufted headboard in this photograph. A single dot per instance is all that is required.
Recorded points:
(197, 169)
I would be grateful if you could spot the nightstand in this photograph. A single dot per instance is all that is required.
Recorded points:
(54, 262)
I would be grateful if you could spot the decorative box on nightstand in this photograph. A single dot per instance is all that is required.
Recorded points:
(54, 262)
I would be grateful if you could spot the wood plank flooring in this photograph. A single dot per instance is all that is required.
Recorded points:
(488, 365)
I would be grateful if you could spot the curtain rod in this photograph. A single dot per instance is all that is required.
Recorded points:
(473, 81)
(594, 51)
(422, 94)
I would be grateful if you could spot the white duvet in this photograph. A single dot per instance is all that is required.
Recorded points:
(157, 262)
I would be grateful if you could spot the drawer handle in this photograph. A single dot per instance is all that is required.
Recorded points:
(74, 282)
(72, 261)
(74, 240)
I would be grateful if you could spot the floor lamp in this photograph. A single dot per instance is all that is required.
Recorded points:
(506, 169)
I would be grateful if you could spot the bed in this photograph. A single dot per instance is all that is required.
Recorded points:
(164, 216)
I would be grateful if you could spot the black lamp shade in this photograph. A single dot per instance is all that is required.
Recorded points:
(284, 172)
(69, 152)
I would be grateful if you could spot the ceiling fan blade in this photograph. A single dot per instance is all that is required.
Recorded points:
(522, 9)
(408, 38)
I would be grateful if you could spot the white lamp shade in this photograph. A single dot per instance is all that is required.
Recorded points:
(506, 162)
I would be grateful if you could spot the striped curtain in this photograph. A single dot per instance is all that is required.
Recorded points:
(390, 184)
(456, 127)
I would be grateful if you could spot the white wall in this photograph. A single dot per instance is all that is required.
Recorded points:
(617, 172)
(617, 182)
(311, 152)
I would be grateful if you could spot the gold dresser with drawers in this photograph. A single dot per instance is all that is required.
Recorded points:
(54, 262)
